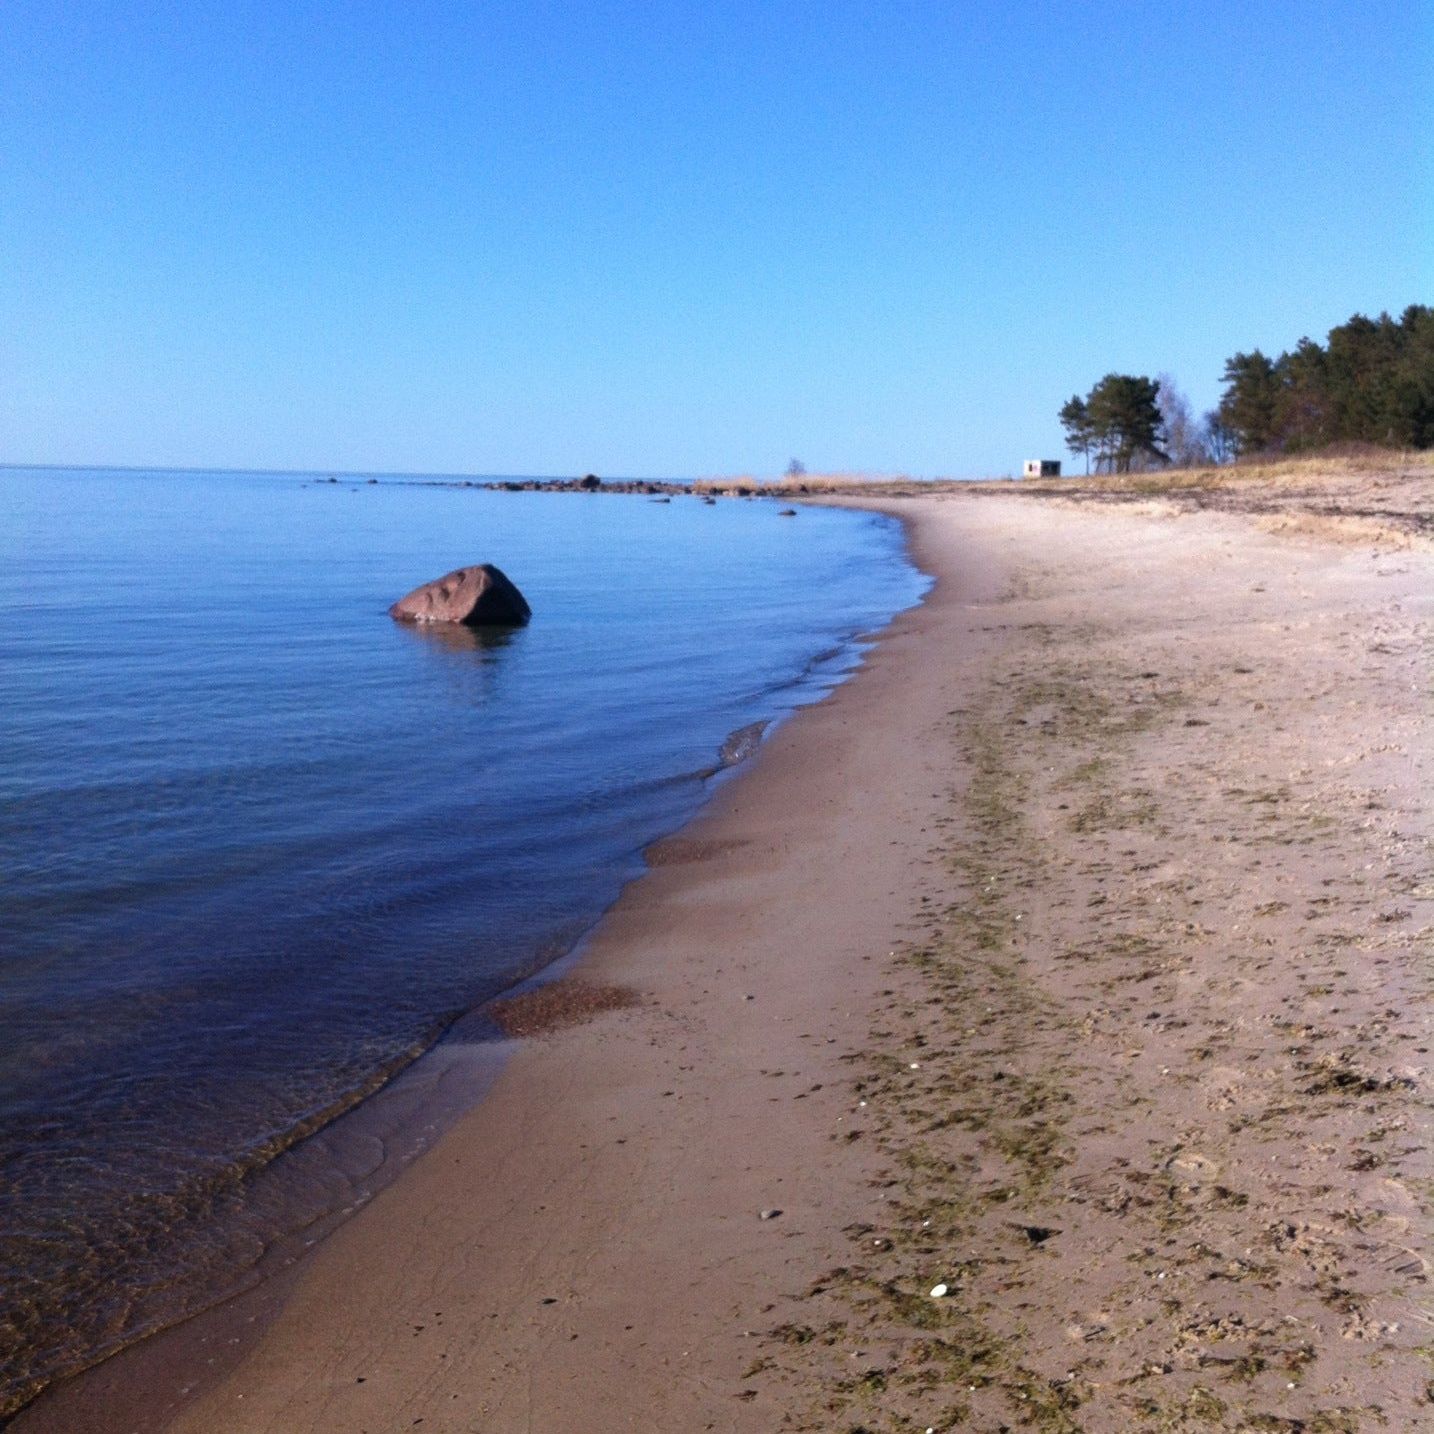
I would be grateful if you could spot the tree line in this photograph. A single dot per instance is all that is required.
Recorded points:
(1371, 382)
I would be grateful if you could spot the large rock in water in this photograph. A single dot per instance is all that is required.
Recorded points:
(480, 596)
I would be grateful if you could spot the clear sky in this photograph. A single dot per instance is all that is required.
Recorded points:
(679, 238)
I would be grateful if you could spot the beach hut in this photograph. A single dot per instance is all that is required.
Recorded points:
(1042, 468)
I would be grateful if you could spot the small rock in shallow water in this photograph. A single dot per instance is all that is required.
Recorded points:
(473, 596)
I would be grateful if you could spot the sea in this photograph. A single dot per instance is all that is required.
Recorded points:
(263, 846)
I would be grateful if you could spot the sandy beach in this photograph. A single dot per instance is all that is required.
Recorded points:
(1071, 959)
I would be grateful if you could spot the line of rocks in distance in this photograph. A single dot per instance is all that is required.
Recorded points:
(702, 488)
(652, 487)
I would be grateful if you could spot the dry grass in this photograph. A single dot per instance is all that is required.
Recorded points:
(1337, 466)
(1319, 468)
(1375, 497)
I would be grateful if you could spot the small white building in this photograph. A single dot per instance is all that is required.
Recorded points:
(1042, 468)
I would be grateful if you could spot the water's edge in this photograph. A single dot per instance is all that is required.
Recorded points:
(339, 1159)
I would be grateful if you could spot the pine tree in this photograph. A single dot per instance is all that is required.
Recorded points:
(1250, 401)
(1124, 414)
(1075, 419)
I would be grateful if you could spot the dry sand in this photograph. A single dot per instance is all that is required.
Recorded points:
(1073, 956)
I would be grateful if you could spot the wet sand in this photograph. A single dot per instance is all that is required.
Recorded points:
(1073, 955)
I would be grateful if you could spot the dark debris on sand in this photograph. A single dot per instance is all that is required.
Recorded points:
(559, 1005)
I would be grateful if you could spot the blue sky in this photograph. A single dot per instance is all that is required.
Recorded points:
(679, 238)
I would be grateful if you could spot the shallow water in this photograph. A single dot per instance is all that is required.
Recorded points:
(261, 844)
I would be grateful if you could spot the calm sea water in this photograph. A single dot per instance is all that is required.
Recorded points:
(261, 844)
